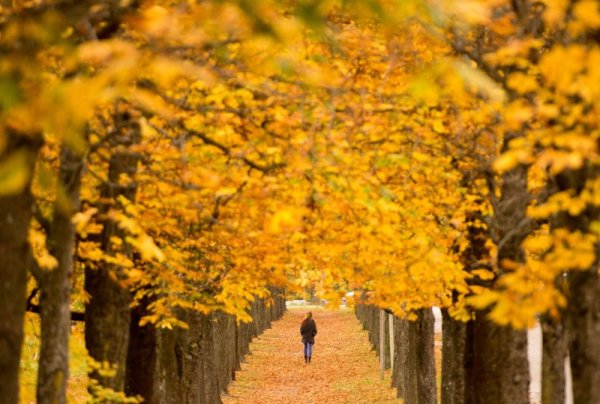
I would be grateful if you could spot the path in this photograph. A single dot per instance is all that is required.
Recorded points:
(343, 368)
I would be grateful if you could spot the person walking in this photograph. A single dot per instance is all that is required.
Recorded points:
(308, 330)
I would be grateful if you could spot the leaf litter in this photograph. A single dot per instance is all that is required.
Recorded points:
(344, 368)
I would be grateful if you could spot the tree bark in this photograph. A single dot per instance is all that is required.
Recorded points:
(582, 314)
(401, 373)
(423, 336)
(224, 326)
(187, 369)
(584, 334)
(414, 367)
(173, 366)
(107, 314)
(141, 375)
(55, 287)
(194, 365)
(15, 216)
(455, 360)
(554, 351)
(457, 348)
(500, 369)
(373, 327)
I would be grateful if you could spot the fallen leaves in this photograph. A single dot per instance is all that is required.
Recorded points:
(344, 369)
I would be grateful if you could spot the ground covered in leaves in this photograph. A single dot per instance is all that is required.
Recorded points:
(344, 369)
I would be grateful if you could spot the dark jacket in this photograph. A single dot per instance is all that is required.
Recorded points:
(308, 330)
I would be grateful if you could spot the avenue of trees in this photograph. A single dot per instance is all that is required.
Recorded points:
(167, 168)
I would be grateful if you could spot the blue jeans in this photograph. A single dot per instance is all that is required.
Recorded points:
(308, 349)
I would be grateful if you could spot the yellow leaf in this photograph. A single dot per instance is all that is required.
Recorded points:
(135, 274)
(439, 127)
(226, 191)
(14, 173)
(421, 156)
(483, 274)
(150, 250)
(81, 219)
(506, 162)
(588, 13)
(285, 220)
(482, 300)
(47, 261)
(522, 83)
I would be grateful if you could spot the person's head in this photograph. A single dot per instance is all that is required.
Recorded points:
(309, 315)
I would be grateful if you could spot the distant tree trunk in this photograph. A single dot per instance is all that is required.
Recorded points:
(193, 365)
(457, 349)
(187, 368)
(210, 362)
(407, 372)
(500, 365)
(311, 294)
(455, 359)
(554, 352)
(495, 349)
(472, 359)
(483, 362)
(225, 346)
(423, 336)
(373, 326)
(174, 366)
(414, 368)
(142, 375)
(401, 346)
(242, 344)
(584, 334)
(55, 287)
(107, 314)
(583, 289)
(15, 216)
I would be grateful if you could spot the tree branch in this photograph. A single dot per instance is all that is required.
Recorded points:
(43, 221)
(75, 315)
(222, 201)
(227, 151)
(33, 266)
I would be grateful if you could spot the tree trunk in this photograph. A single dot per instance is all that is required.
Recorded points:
(584, 335)
(500, 372)
(194, 365)
(399, 354)
(187, 371)
(373, 327)
(414, 367)
(107, 325)
(107, 314)
(173, 366)
(473, 361)
(582, 314)
(554, 351)
(15, 216)
(500, 368)
(55, 287)
(457, 348)
(141, 376)
(401, 375)
(210, 363)
(455, 359)
(224, 347)
(422, 339)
